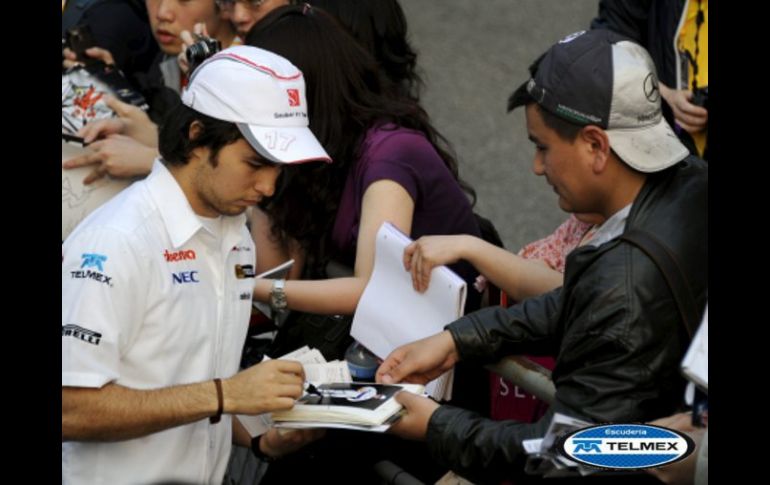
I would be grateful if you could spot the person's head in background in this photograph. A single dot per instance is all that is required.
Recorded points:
(347, 94)
(381, 28)
(244, 14)
(168, 18)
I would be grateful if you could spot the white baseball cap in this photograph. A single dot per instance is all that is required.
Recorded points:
(264, 95)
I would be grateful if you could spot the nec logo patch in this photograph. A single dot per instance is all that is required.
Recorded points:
(293, 97)
(185, 277)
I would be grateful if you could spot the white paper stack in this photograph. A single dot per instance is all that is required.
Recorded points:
(391, 313)
(695, 365)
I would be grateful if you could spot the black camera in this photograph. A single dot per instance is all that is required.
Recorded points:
(700, 97)
(78, 39)
(204, 48)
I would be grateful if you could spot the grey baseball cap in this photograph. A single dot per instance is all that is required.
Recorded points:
(601, 78)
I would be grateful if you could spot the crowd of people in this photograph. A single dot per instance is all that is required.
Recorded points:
(297, 139)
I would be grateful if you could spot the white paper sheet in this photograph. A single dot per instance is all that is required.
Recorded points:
(78, 200)
(391, 313)
(695, 365)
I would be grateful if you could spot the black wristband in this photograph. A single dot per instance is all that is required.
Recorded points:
(257, 451)
(220, 402)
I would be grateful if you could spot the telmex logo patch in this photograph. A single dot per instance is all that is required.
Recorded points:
(626, 446)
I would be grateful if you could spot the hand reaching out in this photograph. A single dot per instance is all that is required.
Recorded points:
(117, 156)
(131, 121)
(427, 252)
(70, 59)
(413, 424)
(188, 39)
(690, 117)
(419, 362)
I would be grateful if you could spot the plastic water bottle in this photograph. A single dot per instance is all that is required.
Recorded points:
(362, 363)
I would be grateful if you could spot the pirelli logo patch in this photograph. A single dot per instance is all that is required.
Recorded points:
(84, 334)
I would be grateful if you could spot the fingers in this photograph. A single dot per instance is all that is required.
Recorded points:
(84, 160)
(392, 369)
(102, 54)
(692, 118)
(290, 367)
(124, 110)
(408, 254)
(200, 29)
(95, 175)
(278, 404)
(187, 38)
(81, 161)
(70, 59)
(293, 391)
(418, 411)
(415, 261)
(406, 399)
(100, 128)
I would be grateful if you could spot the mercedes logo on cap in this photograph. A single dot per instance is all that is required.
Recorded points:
(651, 91)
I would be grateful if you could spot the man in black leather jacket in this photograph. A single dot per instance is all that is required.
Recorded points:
(593, 112)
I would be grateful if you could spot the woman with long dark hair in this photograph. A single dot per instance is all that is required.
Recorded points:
(380, 27)
(388, 165)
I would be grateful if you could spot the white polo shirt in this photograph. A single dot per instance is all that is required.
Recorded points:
(150, 299)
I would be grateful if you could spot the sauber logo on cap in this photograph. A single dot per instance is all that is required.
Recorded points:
(293, 97)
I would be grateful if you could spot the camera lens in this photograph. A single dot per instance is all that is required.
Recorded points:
(200, 51)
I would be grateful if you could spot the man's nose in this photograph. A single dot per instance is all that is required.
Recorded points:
(537, 164)
(266, 179)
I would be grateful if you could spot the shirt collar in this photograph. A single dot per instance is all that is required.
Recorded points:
(178, 216)
(611, 228)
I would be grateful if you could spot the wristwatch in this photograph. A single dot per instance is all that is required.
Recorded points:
(278, 297)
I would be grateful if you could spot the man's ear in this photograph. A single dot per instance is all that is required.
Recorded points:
(598, 144)
(196, 128)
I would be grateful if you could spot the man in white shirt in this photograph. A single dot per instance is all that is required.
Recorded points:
(157, 285)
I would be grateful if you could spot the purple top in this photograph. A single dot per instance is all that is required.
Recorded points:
(408, 158)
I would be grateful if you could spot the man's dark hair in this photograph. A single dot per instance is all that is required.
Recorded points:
(566, 130)
(174, 141)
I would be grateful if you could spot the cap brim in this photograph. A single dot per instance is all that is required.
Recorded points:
(291, 144)
(520, 97)
(649, 149)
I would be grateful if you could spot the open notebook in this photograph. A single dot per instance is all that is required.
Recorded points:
(351, 405)
(391, 313)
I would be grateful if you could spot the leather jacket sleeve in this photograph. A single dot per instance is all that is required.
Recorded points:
(480, 449)
(491, 333)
